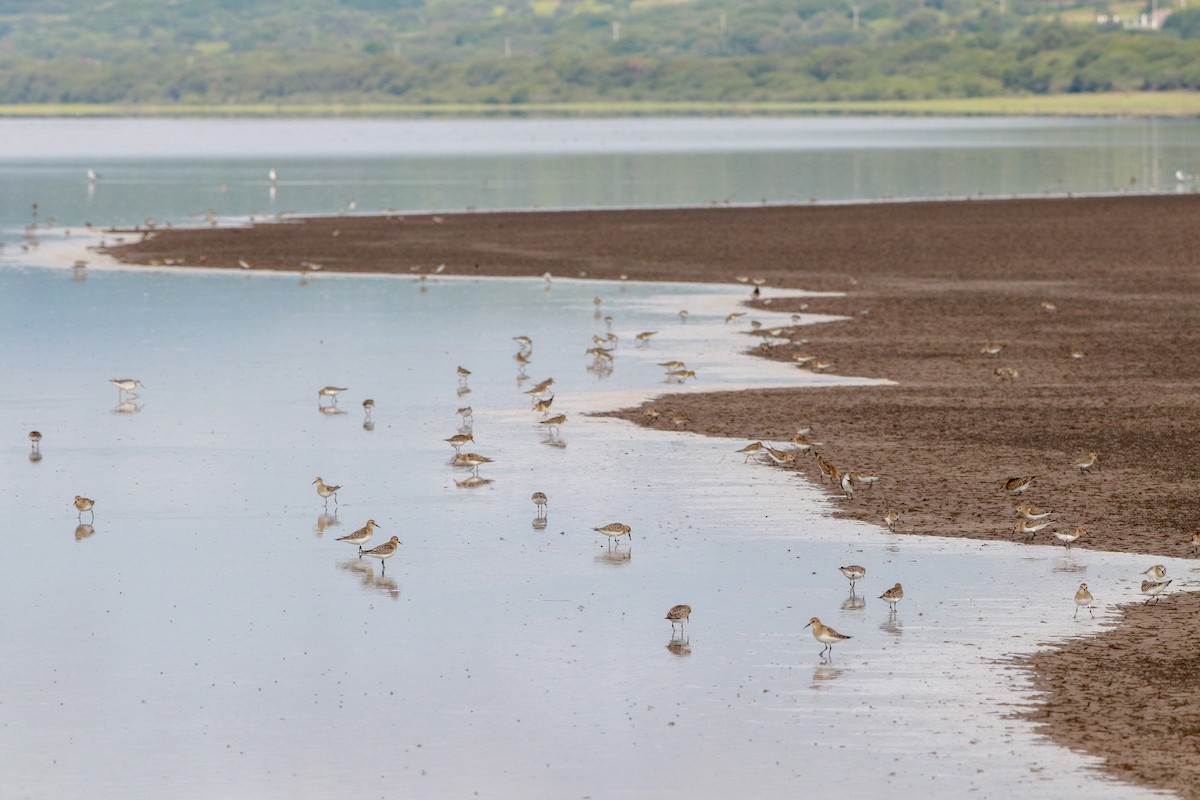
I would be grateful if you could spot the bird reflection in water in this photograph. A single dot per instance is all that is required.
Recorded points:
(463, 391)
(554, 441)
(35, 456)
(823, 673)
(615, 557)
(1069, 564)
(83, 531)
(126, 407)
(679, 646)
(893, 625)
(327, 520)
(329, 410)
(473, 482)
(368, 424)
(365, 571)
(855, 602)
(539, 523)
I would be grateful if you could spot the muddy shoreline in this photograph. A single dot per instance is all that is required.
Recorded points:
(1093, 300)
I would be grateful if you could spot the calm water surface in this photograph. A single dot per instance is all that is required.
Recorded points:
(207, 636)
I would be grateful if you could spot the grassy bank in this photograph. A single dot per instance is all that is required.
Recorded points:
(1135, 104)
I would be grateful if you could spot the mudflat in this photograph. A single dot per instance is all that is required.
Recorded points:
(1090, 305)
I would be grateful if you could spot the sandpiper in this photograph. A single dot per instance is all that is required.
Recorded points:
(825, 635)
(554, 423)
(472, 460)
(801, 443)
(1157, 572)
(83, 504)
(678, 615)
(325, 490)
(1086, 463)
(846, 484)
(679, 419)
(827, 469)
(779, 457)
(1152, 589)
(330, 391)
(124, 386)
(683, 315)
(368, 406)
(1032, 514)
(1083, 598)
(734, 316)
(463, 374)
(1016, 486)
(466, 413)
(35, 439)
(614, 530)
(892, 596)
(751, 449)
(384, 551)
(360, 536)
(1023, 526)
(652, 412)
(539, 500)
(1067, 538)
(544, 405)
(991, 349)
(854, 572)
(890, 519)
(459, 439)
(644, 336)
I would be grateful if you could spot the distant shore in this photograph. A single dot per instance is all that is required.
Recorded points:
(1093, 299)
(1075, 104)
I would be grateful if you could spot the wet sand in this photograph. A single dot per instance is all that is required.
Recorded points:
(926, 286)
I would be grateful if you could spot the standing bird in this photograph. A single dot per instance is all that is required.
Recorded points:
(890, 519)
(384, 551)
(678, 615)
(825, 635)
(1068, 538)
(751, 449)
(463, 374)
(1086, 463)
(368, 406)
(1083, 598)
(35, 439)
(325, 491)
(614, 530)
(1157, 572)
(360, 536)
(83, 504)
(892, 596)
(459, 439)
(1016, 486)
(124, 386)
(330, 391)
(854, 572)
(554, 423)
(539, 500)
(1152, 590)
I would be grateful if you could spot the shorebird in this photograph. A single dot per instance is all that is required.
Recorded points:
(1086, 463)
(1006, 373)
(271, 176)
(1157, 572)
(867, 479)
(827, 469)
(615, 530)
(555, 422)
(846, 483)
(678, 615)
(472, 460)
(360, 536)
(459, 439)
(683, 315)
(544, 405)
(644, 336)
(854, 572)
(734, 316)
(679, 419)
(35, 439)
(325, 491)
(1077, 354)
(1032, 514)
(1016, 486)
(680, 375)
(330, 391)
(779, 457)
(92, 175)
(368, 406)
(522, 358)
(892, 596)
(1152, 590)
(1023, 526)
(384, 551)
(1068, 538)
(539, 500)
(463, 373)
(124, 386)
(825, 635)
(83, 504)
(890, 519)
(466, 413)
(802, 359)
(1048, 306)
(1083, 598)
(991, 349)
(801, 443)
(751, 449)
(652, 412)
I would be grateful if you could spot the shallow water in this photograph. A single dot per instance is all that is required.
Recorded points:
(208, 636)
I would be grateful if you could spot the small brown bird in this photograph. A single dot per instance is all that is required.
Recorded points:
(83, 504)
(679, 615)
(1016, 486)
(825, 635)
(892, 596)
(35, 439)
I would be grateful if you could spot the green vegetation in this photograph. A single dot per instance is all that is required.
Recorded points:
(584, 56)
